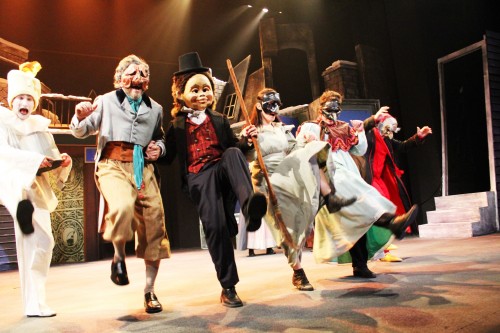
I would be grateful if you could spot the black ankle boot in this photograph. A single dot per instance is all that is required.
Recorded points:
(398, 224)
(254, 210)
(251, 253)
(24, 216)
(230, 298)
(363, 272)
(335, 203)
(300, 281)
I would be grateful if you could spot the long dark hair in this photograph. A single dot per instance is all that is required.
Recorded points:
(256, 115)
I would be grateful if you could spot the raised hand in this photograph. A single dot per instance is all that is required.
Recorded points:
(381, 114)
(310, 136)
(357, 125)
(424, 131)
(84, 109)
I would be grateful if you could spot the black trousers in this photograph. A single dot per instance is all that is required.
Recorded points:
(359, 253)
(215, 190)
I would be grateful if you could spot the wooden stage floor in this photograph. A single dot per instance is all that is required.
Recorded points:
(446, 285)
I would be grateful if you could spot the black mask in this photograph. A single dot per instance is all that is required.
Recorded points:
(331, 109)
(271, 103)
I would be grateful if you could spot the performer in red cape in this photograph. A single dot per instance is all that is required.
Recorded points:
(382, 172)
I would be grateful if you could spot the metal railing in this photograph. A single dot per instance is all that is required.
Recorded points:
(59, 109)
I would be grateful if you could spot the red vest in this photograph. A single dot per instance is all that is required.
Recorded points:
(202, 144)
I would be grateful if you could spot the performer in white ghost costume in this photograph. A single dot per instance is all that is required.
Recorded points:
(20, 161)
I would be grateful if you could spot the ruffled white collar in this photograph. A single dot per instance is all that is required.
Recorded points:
(34, 123)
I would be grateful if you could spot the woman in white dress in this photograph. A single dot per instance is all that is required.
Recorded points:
(260, 239)
(293, 168)
(344, 231)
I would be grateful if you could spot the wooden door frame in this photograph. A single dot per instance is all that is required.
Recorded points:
(481, 45)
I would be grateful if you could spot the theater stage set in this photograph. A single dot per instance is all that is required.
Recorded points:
(449, 279)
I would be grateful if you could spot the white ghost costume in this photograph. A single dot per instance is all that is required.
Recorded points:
(19, 165)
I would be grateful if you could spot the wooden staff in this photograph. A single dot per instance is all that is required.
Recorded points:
(272, 196)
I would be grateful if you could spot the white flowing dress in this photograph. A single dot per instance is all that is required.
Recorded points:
(18, 181)
(335, 234)
(294, 174)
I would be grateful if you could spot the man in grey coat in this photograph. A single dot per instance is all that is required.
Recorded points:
(130, 138)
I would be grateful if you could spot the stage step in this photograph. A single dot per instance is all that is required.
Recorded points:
(448, 230)
(460, 216)
(454, 215)
(8, 257)
(479, 199)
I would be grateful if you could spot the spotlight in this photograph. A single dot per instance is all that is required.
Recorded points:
(265, 10)
(249, 6)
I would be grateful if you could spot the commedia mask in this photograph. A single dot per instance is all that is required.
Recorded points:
(388, 127)
(271, 103)
(331, 109)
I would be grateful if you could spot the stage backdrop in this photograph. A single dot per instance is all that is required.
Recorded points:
(67, 219)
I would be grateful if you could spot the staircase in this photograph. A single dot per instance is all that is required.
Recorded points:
(8, 255)
(461, 216)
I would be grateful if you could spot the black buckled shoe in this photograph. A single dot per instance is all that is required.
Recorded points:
(151, 303)
(230, 298)
(335, 203)
(119, 273)
(300, 281)
(255, 209)
(24, 216)
(363, 272)
(399, 224)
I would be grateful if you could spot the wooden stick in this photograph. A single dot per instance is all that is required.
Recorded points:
(272, 196)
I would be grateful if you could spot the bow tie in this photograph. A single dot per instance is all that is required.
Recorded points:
(192, 113)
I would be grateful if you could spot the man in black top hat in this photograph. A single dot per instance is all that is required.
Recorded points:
(214, 170)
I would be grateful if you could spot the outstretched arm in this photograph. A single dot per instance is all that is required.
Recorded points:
(423, 132)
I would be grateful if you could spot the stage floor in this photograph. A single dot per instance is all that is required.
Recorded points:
(446, 285)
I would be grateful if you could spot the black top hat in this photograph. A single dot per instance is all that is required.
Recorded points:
(190, 62)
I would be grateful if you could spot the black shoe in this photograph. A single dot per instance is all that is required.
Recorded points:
(230, 298)
(255, 209)
(52, 314)
(119, 273)
(300, 281)
(399, 224)
(363, 272)
(270, 250)
(335, 203)
(24, 216)
(251, 253)
(151, 303)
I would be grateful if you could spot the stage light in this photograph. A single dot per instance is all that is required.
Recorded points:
(265, 10)
(249, 6)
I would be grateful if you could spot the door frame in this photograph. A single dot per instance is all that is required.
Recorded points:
(481, 45)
